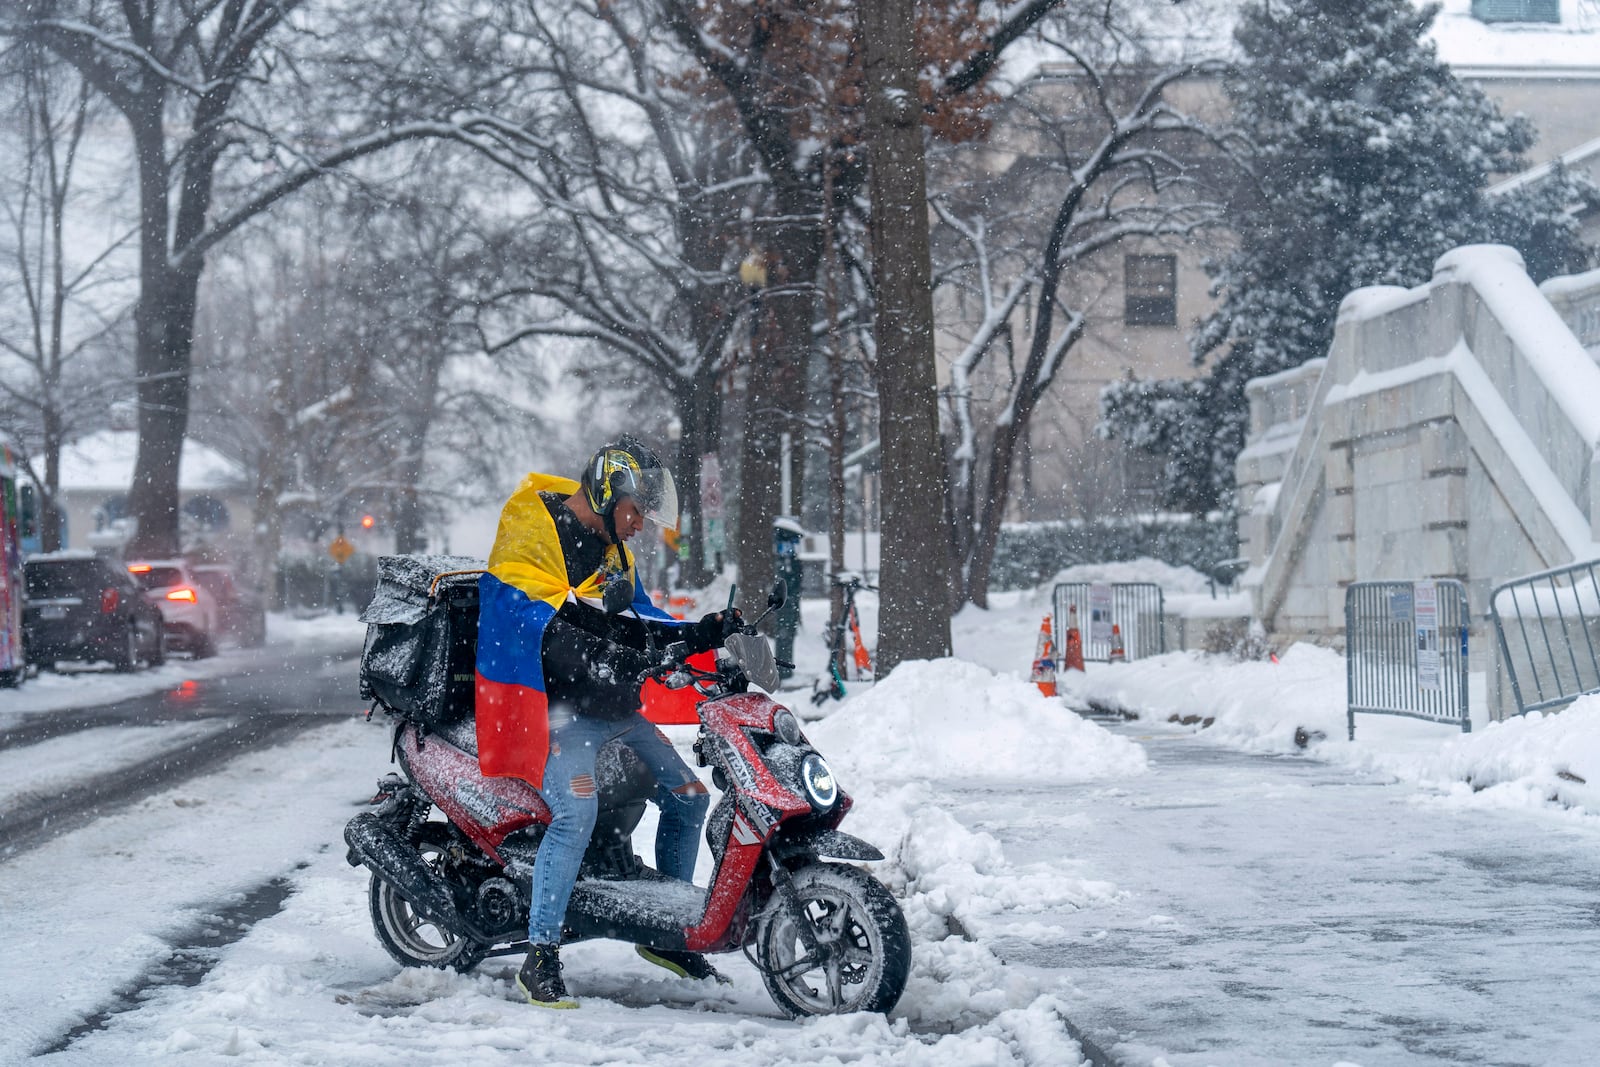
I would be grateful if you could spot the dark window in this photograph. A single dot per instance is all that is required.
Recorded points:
(66, 577)
(72, 578)
(1516, 10)
(1151, 291)
(156, 577)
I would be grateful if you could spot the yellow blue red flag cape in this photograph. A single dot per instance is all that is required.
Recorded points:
(525, 586)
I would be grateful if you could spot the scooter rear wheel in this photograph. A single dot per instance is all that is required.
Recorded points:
(864, 947)
(412, 940)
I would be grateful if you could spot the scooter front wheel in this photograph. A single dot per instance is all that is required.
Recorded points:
(863, 952)
(411, 939)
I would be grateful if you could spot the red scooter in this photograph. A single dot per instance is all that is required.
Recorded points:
(826, 937)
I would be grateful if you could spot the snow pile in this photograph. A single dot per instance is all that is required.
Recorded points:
(957, 890)
(1256, 705)
(948, 718)
(1171, 579)
(1528, 761)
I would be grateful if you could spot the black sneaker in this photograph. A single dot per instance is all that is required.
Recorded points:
(683, 964)
(540, 978)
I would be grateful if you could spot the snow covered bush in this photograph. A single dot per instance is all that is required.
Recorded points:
(1029, 553)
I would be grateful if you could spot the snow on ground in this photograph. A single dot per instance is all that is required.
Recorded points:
(311, 985)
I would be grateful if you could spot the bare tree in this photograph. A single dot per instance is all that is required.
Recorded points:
(193, 80)
(1122, 162)
(639, 230)
(57, 314)
(325, 345)
(786, 72)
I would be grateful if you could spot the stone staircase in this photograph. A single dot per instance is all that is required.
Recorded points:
(1450, 432)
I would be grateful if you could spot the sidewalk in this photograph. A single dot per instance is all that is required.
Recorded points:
(1281, 910)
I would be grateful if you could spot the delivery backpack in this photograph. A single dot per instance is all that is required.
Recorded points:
(419, 662)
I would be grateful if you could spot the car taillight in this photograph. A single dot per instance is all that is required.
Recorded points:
(183, 593)
(108, 601)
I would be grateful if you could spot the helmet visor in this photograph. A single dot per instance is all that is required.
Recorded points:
(655, 495)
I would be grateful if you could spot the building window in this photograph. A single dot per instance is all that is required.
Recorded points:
(1516, 10)
(1151, 291)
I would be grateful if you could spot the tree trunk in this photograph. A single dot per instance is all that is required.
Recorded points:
(775, 402)
(165, 319)
(50, 539)
(914, 599)
(700, 415)
(1012, 430)
(163, 335)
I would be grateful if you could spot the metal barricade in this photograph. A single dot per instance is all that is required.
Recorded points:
(1406, 650)
(1138, 609)
(1549, 629)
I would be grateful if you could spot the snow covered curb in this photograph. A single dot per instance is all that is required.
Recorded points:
(1260, 706)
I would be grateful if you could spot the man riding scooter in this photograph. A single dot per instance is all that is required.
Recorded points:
(558, 678)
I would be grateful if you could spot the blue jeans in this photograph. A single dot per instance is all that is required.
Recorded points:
(570, 791)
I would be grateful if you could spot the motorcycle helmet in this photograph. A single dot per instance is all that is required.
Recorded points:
(627, 469)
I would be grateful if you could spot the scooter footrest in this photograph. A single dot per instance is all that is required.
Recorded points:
(628, 910)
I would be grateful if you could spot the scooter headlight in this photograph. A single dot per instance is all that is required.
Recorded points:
(821, 789)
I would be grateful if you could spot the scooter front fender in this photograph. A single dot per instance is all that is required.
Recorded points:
(827, 844)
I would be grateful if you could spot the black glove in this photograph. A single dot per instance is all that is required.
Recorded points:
(711, 630)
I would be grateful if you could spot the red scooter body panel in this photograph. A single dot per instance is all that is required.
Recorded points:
(486, 809)
(728, 718)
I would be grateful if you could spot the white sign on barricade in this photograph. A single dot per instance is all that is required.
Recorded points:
(1425, 605)
(1100, 611)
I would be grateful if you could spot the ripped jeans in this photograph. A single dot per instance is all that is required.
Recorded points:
(570, 791)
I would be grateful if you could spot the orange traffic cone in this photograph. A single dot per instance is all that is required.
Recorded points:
(1118, 654)
(1072, 658)
(1044, 660)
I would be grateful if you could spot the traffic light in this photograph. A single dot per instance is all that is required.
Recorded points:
(368, 522)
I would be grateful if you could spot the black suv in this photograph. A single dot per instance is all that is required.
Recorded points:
(82, 607)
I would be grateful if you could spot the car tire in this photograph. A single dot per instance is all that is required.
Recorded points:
(125, 657)
(158, 652)
(204, 646)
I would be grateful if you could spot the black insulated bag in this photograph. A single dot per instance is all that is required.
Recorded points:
(420, 657)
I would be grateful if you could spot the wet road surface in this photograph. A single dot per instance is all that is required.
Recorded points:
(1279, 910)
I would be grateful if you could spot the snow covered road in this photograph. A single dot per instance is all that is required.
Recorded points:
(1278, 910)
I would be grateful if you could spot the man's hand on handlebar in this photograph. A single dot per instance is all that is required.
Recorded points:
(712, 630)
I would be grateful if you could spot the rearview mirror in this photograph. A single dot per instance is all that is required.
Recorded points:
(779, 594)
(618, 596)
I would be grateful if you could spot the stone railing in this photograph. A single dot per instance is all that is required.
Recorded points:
(1577, 300)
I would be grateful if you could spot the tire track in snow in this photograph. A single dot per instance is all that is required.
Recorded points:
(194, 952)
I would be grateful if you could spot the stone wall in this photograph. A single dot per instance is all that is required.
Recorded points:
(1450, 433)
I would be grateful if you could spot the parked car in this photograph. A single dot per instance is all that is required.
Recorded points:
(82, 607)
(241, 613)
(188, 608)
